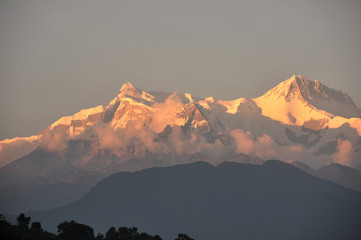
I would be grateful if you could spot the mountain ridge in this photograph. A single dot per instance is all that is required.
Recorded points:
(140, 129)
(237, 200)
(292, 102)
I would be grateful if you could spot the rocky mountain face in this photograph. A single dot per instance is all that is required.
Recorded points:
(298, 120)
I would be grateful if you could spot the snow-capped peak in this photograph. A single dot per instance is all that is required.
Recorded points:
(304, 89)
(292, 103)
(314, 90)
(128, 89)
(315, 95)
(292, 88)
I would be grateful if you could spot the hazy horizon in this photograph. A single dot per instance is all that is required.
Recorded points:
(60, 57)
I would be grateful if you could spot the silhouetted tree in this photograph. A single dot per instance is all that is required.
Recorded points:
(100, 237)
(3, 222)
(75, 231)
(182, 236)
(124, 233)
(128, 233)
(21, 231)
(36, 226)
(112, 234)
(133, 232)
(157, 237)
(23, 221)
(69, 231)
(146, 236)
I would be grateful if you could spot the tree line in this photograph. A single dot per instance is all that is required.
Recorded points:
(71, 230)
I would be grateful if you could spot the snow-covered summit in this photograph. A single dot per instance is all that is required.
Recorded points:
(299, 100)
(303, 89)
(128, 90)
(280, 116)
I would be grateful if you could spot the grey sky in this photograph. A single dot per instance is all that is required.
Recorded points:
(57, 57)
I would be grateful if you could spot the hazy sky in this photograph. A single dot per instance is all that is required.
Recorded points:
(57, 57)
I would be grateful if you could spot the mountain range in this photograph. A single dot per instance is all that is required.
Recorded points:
(230, 201)
(299, 121)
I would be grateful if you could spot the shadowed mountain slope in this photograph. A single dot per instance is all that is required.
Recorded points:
(42, 180)
(231, 201)
(343, 175)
